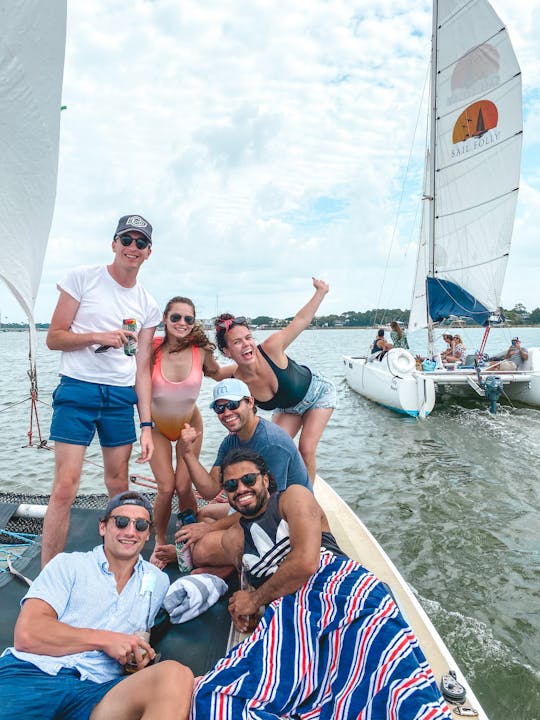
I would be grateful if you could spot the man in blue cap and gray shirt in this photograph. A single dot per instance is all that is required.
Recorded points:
(236, 410)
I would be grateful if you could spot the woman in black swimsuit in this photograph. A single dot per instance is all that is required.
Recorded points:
(301, 399)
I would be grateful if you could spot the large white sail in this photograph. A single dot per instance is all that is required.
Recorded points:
(473, 167)
(32, 45)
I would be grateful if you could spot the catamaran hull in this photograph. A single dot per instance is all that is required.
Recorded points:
(392, 382)
(521, 386)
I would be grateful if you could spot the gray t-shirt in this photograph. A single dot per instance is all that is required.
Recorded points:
(515, 356)
(277, 448)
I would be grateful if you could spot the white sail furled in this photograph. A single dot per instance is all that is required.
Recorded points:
(32, 46)
(473, 170)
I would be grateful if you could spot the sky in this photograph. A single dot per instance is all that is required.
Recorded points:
(267, 142)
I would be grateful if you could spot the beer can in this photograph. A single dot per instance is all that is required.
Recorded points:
(130, 348)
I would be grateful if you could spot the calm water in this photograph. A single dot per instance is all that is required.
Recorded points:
(454, 500)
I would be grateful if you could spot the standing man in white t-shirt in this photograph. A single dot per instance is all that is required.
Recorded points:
(99, 382)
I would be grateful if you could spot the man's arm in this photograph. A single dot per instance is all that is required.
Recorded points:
(39, 631)
(143, 387)
(60, 336)
(304, 517)
(206, 483)
(193, 532)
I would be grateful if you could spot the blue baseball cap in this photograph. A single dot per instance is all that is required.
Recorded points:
(230, 389)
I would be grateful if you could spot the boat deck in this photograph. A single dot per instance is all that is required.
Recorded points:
(198, 643)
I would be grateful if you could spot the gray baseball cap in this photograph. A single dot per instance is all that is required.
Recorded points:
(129, 497)
(134, 222)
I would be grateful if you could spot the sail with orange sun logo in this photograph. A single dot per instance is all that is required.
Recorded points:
(472, 166)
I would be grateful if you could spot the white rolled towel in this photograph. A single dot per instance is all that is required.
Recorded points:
(191, 595)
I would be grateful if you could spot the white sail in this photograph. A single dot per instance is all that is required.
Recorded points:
(32, 45)
(473, 168)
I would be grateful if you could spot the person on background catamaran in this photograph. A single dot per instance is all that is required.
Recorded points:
(449, 340)
(77, 630)
(301, 399)
(99, 381)
(398, 336)
(458, 351)
(179, 360)
(332, 642)
(380, 346)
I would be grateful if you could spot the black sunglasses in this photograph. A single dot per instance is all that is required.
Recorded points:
(248, 480)
(231, 322)
(176, 317)
(141, 243)
(121, 522)
(229, 405)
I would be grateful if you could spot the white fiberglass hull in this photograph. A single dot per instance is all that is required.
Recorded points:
(392, 382)
(356, 540)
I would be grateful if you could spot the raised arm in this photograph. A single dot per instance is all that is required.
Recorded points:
(278, 341)
(206, 483)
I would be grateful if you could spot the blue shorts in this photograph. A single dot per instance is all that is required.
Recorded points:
(28, 692)
(81, 408)
(321, 393)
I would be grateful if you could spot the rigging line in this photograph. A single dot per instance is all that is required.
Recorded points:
(502, 196)
(473, 265)
(394, 231)
(471, 99)
(450, 18)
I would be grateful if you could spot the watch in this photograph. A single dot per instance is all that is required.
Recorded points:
(146, 424)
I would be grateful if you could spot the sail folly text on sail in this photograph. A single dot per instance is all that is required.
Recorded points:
(476, 143)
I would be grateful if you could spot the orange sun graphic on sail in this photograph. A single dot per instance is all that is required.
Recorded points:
(476, 120)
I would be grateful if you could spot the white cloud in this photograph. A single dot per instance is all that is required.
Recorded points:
(266, 142)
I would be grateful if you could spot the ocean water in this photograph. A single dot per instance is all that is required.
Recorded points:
(454, 500)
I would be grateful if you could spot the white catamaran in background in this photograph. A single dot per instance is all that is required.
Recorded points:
(470, 193)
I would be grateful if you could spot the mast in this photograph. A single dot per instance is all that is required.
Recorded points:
(431, 178)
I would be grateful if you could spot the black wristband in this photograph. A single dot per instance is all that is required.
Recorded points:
(146, 424)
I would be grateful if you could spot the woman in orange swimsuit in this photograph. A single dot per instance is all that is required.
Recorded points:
(180, 359)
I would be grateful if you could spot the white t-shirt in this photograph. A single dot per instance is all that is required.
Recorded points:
(104, 304)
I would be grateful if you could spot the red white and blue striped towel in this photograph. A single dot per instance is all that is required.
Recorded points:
(338, 648)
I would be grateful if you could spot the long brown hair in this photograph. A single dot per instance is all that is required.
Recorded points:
(396, 328)
(196, 337)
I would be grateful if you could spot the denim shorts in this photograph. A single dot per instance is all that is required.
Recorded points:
(321, 393)
(28, 692)
(81, 408)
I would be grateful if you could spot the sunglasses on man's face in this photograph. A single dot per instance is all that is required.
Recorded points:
(176, 317)
(121, 522)
(231, 322)
(229, 405)
(249, 480)
(141, 243)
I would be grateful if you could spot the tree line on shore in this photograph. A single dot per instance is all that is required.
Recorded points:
(518, 315)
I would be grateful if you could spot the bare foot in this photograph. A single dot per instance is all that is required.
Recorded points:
(163, 555)
(159, 558)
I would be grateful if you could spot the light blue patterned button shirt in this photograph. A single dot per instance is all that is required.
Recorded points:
(82, 591)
